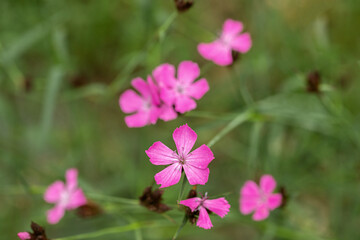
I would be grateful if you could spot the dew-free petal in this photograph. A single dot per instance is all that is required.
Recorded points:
(198, 89)
(267, 184)
(248, 204)
(231, 28)
(184, 104)
(139, 119)
(200, 157)
(164, 75)
(261, 213)
(53, 192)
(167, 113)
(242, 43)
(196, 175)
(192, 203)
(55, 214)
(71, 178)
(184, 138)
(251, 189)
(130, 101)
(24, 235)
(204, 219)
(218, 206)
(217, 52)
(188, 71)
(169, 176)
(141, 86)
(76, 199)
(160, 154)
(274, 201)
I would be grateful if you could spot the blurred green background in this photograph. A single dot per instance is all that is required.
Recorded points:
(64, 64)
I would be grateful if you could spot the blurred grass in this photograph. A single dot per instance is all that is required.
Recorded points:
(63, 65)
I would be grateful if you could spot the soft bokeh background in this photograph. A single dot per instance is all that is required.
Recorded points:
(63, 65)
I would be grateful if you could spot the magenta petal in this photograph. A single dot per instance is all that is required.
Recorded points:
(249, 197)
(76, 199)
(169, 176)
(160, 154)
(200, 157)
(218, 206)
(184, 138)
(217, 51)
(198, 89)
(188, 71)
(167, 113)
(274, 201)
(53, 192)
(267, 184)
(165, 75)
(141, 86)
(184, 104)
(55, 214)
(154, 91)
(248, 204)
(204, 219)
(242, 43)
(139, 119)
(192, 203)
(71, 178)
(24, 235)
(250, 189)
(231, 28)
(167, 95)
(196, 175)
(130, 101)
(261, 213)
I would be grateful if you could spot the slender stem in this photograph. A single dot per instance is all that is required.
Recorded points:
(180, 227)
(182, 187)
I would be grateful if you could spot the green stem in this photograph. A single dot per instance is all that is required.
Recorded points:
(180, 227)
(182, 187)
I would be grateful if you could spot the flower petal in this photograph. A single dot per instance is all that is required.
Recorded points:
(71, 178)
(141, 118)
(184, 138)
(53, 192)
(169, 176)
(141, 86)
(204, 219)
(188, 71)
(267, 183)
(76, 199)
(167, 113)
(160, 154)
(55, 214)
(184, 104)
(261, 213)
(198, 89)
(164, 75)
(249, 197)
(250, 189)
(130, 101)
(217, 51)
(192, 203)
(231, 28)
(274, 201)
(196, 175)
(218, 206)
(24, 235)
(242, 43)
(167, 95)
(154, 91)
(200, 157)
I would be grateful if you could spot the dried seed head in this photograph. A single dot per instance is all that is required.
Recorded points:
(90, 209)
(313, 82)
(152, 200)
(183, 5)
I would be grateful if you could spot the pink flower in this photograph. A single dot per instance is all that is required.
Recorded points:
(220, 51)
(218, 206)
(24, 235)
(259, 199)
(181, 90)
(65, 196)
(195, 163)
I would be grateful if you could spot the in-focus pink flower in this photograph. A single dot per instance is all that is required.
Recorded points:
(24, 235)
(66, 196)
(195, 163)
(181, 90)
(259, 199)
(218, 206)
(231, 39)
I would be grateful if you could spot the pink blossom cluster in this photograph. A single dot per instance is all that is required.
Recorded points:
(169, 95)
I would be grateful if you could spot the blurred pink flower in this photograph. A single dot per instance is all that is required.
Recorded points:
(65, 196)
(181, 90)
(259, 199)
(24, 235)
(195, 163)
(220, 50)
(218, 206)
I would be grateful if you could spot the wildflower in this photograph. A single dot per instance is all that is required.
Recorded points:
(259, 199)
(65, 196)
(152, 200)
(183, 5)
(195, 163)
(220, 50)
(218, 206)
(38, 233)
(180, 91)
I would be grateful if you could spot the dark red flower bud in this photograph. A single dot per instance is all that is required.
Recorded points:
(90, 209)
(313, 82)
(152, 200)
(183, 5)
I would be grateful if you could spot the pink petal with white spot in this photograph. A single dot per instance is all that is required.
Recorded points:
(71, 178)
(184, 104)
(141, 86)
(167, 113)
(217, 51)
(24, 235)
(261, 213)
(192, 203)
(53, 192)
(184, 138)
(160, 154)
(55, 214)
(242, 43)
(231, 28)
(165, 75)
(130, 101)
(196, 175)
(274, 201)
(200, 157)
(76, 199)
(267, 184)
(204, 219)
(218, 206)
(169, 176)
(198, 89)
(188, 71)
